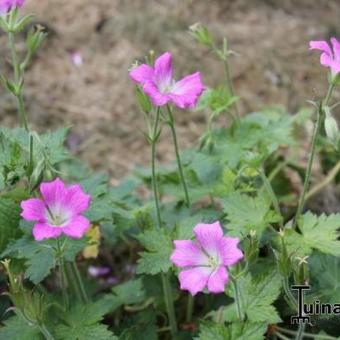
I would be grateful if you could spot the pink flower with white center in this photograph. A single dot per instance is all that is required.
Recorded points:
(58, 211)
(330, 56)
(7, 5)
(159, 85)
(205, 260)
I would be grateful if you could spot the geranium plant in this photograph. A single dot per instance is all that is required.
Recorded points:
(214, 245)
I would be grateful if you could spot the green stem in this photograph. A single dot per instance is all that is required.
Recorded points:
(79, 282)
(307, 335)
(169, 303)
(231, 88)
(43, 329)
(309, 167)
(17, 80)
(154, 139)
(320, 115)
(281, 336)
(165, 279)
(190, 308)
(272, 195)
(237, 299)
(290, 296)
(299, 334)
(178, 158)
(63, 282)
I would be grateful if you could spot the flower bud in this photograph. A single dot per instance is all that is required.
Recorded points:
(201, 33)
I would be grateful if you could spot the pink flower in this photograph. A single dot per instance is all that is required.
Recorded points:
(159, 85)
(58, 211)
(77, 59)
(7, 5)
(205, 260)
(330, 57)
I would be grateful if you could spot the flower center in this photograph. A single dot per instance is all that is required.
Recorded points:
(56, 217)
(213, 262)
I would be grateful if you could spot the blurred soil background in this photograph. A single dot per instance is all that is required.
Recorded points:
(97, 98)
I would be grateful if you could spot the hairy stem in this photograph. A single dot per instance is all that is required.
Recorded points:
(272, 195)
(320, 116)
(63, 279)
(46, 333)
(231, 89)
(299, 334)
(178, 158)
(165, 279)
(17, 79)
(307, 335)
(79, 282)
(237, 299)
(154, 139)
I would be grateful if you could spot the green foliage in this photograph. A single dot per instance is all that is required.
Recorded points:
(158, 244)
(40, 257)
(81, 322)
(245, 213)
(317, 232)
(9, 221)
(234, 331)
(16, 325)
(325, 276)
(257, 294)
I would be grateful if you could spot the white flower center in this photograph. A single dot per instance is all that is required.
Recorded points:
(213, 262)
(57, 216)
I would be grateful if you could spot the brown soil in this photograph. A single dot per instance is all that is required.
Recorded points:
(97, 99)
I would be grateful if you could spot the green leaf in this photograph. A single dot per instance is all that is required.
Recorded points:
(15, 326)
(9, 221)
(81, 332)
(81, 322)
(234, 331)
(141, 327)
(317, 232)
(156, 259)
(39, 257)
(245, 213)
(257, 295)
(327, 285)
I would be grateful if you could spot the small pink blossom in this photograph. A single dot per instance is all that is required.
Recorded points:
(330, 56)
(7, 5)
(77, 59)
(98, 271)
(205, 260)
(159, 85)
(58, 211)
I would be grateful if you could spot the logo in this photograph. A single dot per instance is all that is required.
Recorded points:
(306, 310)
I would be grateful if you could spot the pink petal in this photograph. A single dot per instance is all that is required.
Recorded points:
(188, 253)
(157, 98)
(77, 227)
(53, 192)
(163, 70)
(33, 210)
(43, 231)
(336, 49)
(209, 236)
(326, 60)
(194, 280)
(76, 199)
(320, 45)
(228, 251)
(218, 280)
(185, 93)
(141, 74)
